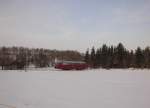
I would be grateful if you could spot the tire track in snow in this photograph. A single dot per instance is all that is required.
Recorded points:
(6, 106)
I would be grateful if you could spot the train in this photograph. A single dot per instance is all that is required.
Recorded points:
(71, 65)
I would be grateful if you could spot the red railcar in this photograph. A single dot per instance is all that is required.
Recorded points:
(71, 65)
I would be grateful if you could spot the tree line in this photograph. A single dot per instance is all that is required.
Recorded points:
(21, 57)
(118, 57)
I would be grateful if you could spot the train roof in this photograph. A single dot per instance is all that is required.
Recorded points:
(80, 62)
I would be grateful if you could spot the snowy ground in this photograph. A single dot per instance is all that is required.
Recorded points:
(75, 89)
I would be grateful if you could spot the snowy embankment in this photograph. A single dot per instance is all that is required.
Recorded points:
(75, 89)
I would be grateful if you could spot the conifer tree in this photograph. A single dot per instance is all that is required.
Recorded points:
(147, 57)
(110, 57)
(139, 58)
(98, 58)
(120, 55)
(87, 57)
(104, 57)
(92, 58)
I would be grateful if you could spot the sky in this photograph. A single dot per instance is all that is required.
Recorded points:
(74, 24)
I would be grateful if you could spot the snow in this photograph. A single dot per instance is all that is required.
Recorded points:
(97, 88)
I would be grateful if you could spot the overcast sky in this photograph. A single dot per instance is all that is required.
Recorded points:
(74, 24)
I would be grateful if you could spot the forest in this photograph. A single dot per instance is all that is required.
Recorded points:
(21, 57)
(102, 57)
(118, 57)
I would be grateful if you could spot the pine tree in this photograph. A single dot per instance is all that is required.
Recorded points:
(139, 58)
(120, 55)
(92, 58)
(147, 57)
(98, 58)
(132, 59)
(104, 56)
(110, 56)
(87, 57)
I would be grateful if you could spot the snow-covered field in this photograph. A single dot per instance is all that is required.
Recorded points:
(75, 89)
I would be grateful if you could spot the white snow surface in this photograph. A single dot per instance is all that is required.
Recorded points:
(98, 88)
